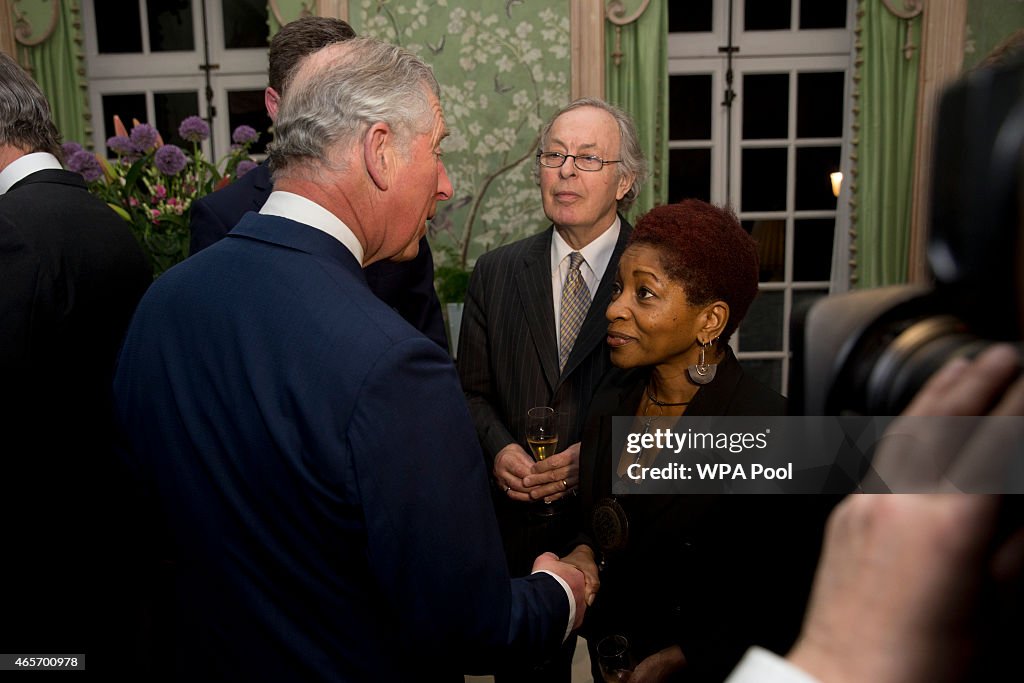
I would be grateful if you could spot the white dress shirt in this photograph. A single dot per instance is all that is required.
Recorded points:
(308, 212)
(596, 257)
(761, 666)
(25, 166)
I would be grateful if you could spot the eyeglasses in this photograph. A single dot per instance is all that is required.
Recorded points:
(583, 163)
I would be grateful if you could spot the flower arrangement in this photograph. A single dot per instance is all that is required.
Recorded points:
(152, 185)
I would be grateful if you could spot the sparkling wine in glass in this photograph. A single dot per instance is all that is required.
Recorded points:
(614, 659)
(542, 431)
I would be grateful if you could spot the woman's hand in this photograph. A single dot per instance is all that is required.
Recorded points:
(582, 557)
(659, 666)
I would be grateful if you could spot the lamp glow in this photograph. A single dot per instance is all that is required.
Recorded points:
(837, 182)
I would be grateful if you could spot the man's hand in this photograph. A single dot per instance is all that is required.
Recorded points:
(582, 557)
(554, 477)
(511, 464)
(571, 575)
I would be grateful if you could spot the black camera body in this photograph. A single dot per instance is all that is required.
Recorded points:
(869, 352)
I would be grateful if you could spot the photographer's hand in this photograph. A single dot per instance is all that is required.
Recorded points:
(900, 578)
(930, 455)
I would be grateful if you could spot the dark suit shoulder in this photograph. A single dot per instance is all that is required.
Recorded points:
(214, 215)
(754, 398)
(54, 176)
(747, 396)
(512, 253)
(257, 180)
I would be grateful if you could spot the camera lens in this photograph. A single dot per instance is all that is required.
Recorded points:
(869, 352)
(896, 370)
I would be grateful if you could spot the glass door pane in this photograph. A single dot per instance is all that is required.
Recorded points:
(170, 25)
(245, 24)
(246, 107)
(118, 27)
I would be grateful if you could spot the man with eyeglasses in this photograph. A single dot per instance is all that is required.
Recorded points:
(533, 329)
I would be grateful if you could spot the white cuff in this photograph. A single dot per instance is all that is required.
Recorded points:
(761, 666)
(568, 594)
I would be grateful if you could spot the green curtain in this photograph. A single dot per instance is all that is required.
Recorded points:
(58, 67)
(885, 151)
(639, 85)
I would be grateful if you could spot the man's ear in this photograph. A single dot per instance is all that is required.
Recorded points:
(625, 182)
(271, 100)
(377, 143)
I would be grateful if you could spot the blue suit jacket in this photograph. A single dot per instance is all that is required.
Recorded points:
(408, 286)
(314, 460)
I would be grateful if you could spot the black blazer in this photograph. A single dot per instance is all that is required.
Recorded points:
(508, 353)
(711, 573)
(508, 363)
(71, 274)
(408, 287)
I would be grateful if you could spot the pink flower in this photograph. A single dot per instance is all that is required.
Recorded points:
(160, 191)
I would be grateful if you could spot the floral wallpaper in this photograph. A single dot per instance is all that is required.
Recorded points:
(988, 23)
(504, 69)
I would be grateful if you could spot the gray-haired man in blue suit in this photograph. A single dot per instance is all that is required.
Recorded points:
(310, 452)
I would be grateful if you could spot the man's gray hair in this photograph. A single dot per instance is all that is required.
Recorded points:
(25, 120)
(360, 82)
(630, 154)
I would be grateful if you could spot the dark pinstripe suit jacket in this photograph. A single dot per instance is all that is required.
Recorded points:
(508, 353)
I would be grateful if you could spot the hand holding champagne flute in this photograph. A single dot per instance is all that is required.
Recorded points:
(542, 435)
(542, 432)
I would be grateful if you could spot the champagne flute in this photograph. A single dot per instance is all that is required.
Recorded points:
(542, 435)
(542, 432)
(614, 659)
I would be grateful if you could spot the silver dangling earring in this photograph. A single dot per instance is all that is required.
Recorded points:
(702, 372)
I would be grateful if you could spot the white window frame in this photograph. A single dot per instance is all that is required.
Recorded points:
(789, 51)
(177, 71)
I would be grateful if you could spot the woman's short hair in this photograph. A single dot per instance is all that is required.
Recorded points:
(705, 249)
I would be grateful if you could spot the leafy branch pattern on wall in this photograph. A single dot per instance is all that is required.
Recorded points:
(504, 67)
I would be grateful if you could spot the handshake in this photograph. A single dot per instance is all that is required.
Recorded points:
(579, 570)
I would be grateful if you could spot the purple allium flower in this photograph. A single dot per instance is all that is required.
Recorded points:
(244, 134)
(244, 166)
(143, 137)
(121, 145)
(170, 160)
(68, 149)
(194, 129)
(86, 164)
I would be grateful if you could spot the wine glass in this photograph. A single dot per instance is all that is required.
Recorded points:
(542, 432)
(542, 436)
(614, 659)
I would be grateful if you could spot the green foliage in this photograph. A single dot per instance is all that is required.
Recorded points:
(451, 283)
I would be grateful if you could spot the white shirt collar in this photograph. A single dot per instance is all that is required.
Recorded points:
(597, 254)
(308, 212)
(25, 166)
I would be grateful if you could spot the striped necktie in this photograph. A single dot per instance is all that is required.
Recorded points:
(575, 303)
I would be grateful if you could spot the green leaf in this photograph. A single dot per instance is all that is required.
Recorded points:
(137, 169)
(120, 211)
